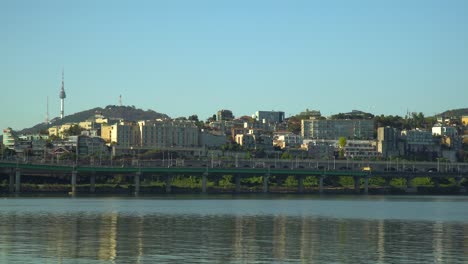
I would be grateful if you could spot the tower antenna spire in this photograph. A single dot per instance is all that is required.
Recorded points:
(62, 96)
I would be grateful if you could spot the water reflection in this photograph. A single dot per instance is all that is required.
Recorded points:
(113, 237)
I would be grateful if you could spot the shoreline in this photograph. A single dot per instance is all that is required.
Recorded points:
(160, 190)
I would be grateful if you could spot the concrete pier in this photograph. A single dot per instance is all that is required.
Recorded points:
(137, 182)
(357, 184)
(366, 185)
(436, 182)
(204, 178)
(17, 181)
(265, 182)
(409, 185)
(168, 183)
(300, 183)
(238, 183)
(321, 183)
(387, 182)
(92, 182)
(73, 182)
(12, 181)
(458, 181)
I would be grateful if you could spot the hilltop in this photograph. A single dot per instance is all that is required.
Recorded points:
(455, 112)
(129, 113)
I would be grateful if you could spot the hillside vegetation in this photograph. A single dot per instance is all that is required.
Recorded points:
(129, 113)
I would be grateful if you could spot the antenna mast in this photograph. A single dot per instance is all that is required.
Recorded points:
(47, 113)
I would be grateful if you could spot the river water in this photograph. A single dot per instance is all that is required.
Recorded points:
(234, 229)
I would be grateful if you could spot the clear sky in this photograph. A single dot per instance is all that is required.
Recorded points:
(197, 56)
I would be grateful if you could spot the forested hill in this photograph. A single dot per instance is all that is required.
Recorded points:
(455, 113)
(129, 113)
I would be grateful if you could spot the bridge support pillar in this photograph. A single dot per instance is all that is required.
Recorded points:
(436, 182)
(204, 178)
(387, 182)
(458, 181)
(73, 182)
(300, 183)
(357, 184)
(238, 183)
(265, 182)
(12, 181)
(409, 185)
(137, 182)
(92, 182)
(168, 183)
(17, 181)
(366, 185)
(321, 183)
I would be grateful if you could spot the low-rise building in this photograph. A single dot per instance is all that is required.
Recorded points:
(9, 138)
(246, 140)
(419, 141)
(286, 139)
(319, 149)
(264, 142)
(441, 130)
(364, 149)
(464, 120)
(210, 139)
(59, 131)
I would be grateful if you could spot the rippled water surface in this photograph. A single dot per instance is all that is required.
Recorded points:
(234, 229)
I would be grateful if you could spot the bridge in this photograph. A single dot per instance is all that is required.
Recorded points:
(361, 171)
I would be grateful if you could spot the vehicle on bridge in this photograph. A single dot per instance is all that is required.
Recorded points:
(367, 168)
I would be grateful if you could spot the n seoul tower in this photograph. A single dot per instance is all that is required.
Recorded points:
(62, 97)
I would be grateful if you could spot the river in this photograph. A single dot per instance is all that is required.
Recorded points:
(234, 229)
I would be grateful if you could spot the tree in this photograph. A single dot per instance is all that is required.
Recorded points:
(74, 130)
(342, 142)
(286, 155)
(211, 119)
(193, 118)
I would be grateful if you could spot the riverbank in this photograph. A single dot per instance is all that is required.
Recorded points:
(159, 189)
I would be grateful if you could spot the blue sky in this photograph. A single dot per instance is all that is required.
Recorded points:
(196, 57)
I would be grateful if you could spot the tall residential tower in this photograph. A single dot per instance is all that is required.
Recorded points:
(62, 97)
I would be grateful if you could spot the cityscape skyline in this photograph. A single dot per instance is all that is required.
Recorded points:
(181, 58)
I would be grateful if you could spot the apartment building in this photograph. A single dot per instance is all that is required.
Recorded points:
(388, 141)
(333, 129)
(270, 116)
(168, 133)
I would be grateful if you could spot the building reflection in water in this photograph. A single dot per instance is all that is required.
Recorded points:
(115, 238)
(107, 249)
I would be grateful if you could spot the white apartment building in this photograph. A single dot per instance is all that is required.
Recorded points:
(168, 133)
(125, 134)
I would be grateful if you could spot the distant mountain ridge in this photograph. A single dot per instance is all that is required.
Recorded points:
(129, 113)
